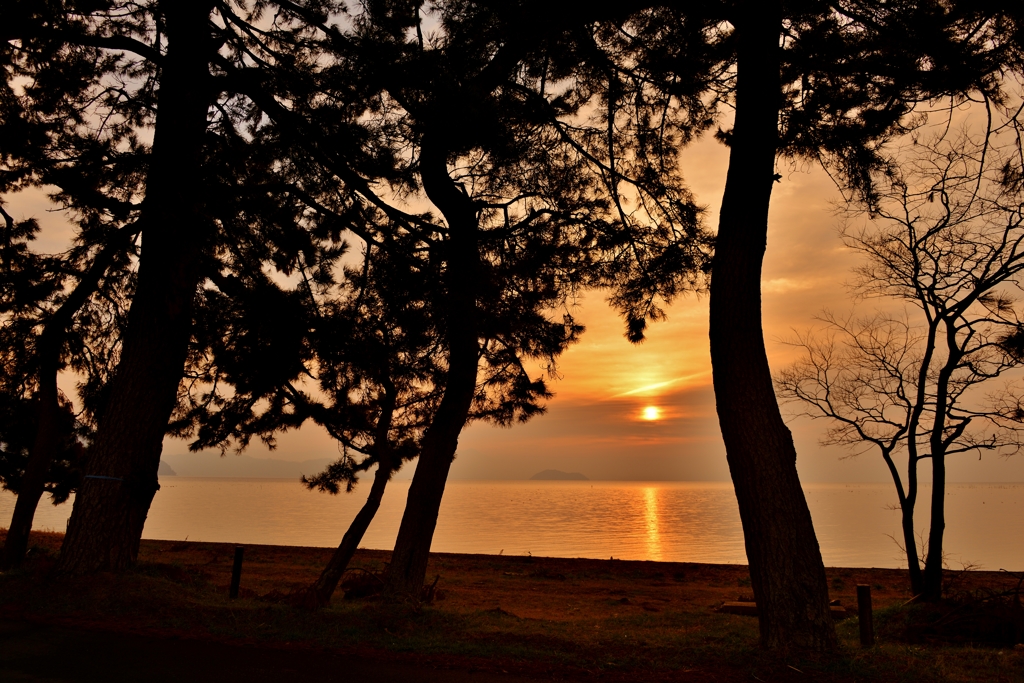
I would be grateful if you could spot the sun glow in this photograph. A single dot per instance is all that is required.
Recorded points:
(651, 413)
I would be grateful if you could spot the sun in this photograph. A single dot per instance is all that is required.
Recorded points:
(651, 413)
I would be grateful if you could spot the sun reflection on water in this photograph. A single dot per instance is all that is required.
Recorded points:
(651, 521)
(668, 521)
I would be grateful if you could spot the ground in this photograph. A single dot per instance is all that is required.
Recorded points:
(493, 618)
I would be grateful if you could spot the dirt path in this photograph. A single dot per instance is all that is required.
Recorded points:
(56, 654)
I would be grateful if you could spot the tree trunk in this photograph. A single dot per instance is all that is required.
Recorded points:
(907, 508)
(319, 594)
(787, 574)
(917, 579)
(932, 589)
(121, 471)
(937, 443)
(908, 502)
(408, 565)
(913, 561)
(33, 481)
(47, 441)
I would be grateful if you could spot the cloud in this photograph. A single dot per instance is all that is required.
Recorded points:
(782, 285)
(659, 387)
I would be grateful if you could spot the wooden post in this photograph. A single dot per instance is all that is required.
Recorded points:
(867, 628)
(236, 572)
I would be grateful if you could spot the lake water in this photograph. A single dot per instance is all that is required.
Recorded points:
(673, 521)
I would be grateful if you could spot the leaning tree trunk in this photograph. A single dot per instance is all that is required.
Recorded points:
(48, 439)
(121, 471)
(319, 594)
(787, 574)
(408, 566)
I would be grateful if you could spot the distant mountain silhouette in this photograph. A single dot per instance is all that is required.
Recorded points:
(212, 465)
(558, 475)
(166, 470)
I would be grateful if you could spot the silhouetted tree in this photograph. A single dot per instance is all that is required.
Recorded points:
(63, 310)
(205, 140)
(390, 361)
(531, 194)
(951, 244)
(363, 363)
(43, 433)
(829, 83)
(121, 474)
(493, 131)
(26, 289)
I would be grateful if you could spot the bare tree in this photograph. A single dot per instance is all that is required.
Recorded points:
(946, 240)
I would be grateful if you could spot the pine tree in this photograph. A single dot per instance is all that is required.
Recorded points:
(490, 119)
(165, 74)
(63, 310)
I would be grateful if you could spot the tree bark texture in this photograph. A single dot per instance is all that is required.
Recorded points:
(787, 574)
(121, 469)
(408, 566)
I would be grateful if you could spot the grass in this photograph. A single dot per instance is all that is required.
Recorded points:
(545, 616)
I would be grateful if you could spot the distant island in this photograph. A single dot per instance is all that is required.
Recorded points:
(166, 469)
(558, 475)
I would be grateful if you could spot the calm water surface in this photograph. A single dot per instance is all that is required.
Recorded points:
(674, 521)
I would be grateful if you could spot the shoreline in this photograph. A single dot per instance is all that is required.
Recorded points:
(50, 543)
(854, 522)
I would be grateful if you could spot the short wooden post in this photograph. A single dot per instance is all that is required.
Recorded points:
(867, 628)
(236, 572)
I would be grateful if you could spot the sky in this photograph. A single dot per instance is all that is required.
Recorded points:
(608, 389)
(595, 424)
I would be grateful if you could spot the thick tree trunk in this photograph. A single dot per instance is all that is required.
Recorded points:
(121, 470)
(408, 565)
(932, 589)
(787, 574)
(33, 481)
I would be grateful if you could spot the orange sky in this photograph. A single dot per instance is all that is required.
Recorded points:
(595, 424)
